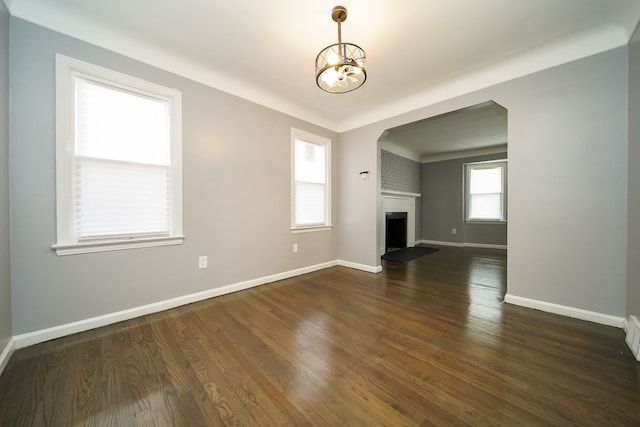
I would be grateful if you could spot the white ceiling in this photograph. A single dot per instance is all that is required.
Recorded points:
(418, 51)
(477, 130)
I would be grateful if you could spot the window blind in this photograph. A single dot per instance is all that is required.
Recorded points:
(310, 183)
(122, 163)
(485, 198)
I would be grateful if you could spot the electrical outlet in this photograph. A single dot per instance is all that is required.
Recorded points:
(202, 262)
(454, 231)
(295, 247)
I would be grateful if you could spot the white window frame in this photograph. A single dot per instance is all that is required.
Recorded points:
(67, 69)
(502, 163)
(297, 134)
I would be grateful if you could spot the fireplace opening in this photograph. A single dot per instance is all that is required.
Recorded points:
(396, 231)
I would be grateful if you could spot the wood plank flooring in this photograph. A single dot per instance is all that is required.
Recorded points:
(424, 343)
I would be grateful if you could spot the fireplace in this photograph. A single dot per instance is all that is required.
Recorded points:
(395, 231)
(399, 207)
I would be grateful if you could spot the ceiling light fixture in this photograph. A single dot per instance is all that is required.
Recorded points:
(340, 68)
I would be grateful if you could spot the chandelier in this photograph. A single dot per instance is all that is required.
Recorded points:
(340, 68)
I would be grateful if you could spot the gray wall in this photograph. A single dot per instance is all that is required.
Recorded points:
(402, 174)
(443, 202)
(5, 276)
(236, 191)
(568, 147)
(633, 255)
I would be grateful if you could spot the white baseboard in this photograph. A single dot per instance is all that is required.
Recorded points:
(633, 336)
(462, 245)
(438, 242)
(485, 246)
(31, 338)
(6, 353)
(563, 310)
(363, 267)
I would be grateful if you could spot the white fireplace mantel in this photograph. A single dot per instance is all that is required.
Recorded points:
(400, 193)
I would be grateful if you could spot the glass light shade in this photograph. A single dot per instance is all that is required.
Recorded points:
(340, 68)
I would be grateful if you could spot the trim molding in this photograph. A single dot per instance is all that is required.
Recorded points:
(496, 149)
(438, 242)
(563, 310)
(35, 337)
(462, 245)
(363, 267)
(484, 245)
(6, 353)
(633, 336)
(392, 193)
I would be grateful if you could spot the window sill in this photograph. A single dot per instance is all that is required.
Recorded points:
(485, 221)
(118, 245)
(311, 229)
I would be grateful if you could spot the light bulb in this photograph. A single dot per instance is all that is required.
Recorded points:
(330, 76)
(333, 58)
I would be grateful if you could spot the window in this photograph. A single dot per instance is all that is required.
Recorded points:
(311, 190)
(118, 159)
(485, 185)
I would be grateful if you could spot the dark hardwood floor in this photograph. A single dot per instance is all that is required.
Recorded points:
(424, 343)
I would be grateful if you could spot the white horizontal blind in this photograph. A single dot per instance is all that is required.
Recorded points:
(122, 163)
(485, 192)
(310, 169)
